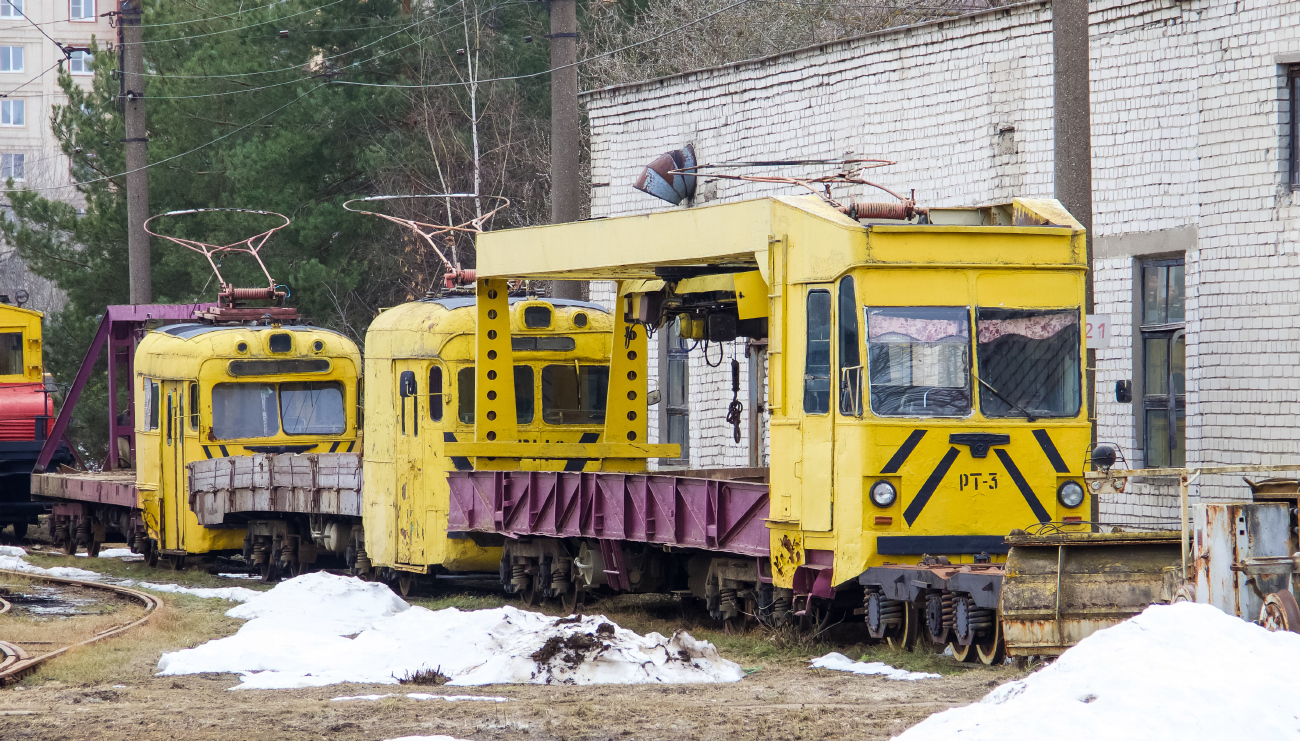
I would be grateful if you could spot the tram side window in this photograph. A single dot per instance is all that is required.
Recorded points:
(152, 394)
(919, 360)
(817, 361)
(1029, 362)
(574, 395)
(525, 403)
(312, 408)
(242, 410)
(435, 393)
(11, 353)
(850, 355)
(194, 406)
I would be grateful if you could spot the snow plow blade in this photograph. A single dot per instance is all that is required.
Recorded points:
(1062, 588)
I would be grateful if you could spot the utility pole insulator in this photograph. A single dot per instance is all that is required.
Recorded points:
(136, 143)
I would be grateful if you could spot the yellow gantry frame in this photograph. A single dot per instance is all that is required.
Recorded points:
(623, 446)
(1030, 255)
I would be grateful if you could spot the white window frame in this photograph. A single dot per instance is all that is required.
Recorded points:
(11, 8)
(84, 18)
(7, 162)
(11, 103)
(85, 58)
(9, 50)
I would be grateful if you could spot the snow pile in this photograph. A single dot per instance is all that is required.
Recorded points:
(840, 662)
(234, 594)
(295, 638)
(124, 553)
(1176, 671)
(426, 696)
(13, 559)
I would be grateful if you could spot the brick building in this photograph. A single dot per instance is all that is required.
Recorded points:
(1193, 160)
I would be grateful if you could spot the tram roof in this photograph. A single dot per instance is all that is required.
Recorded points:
(736, 236)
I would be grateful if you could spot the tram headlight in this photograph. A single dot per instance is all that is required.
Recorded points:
(1070, 493)
(883, 494)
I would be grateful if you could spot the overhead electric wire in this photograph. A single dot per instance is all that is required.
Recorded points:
(205, 145)
(298, 66)
(300, 79)
(34, 79)
(229, 30)
(553, 69)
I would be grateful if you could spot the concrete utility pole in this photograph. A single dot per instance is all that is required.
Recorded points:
(1073, 131)
(137, 149)
(566, 187)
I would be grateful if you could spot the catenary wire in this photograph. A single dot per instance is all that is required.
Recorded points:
(226, 135)
(298, 66)
(230, 30)
(552, 69)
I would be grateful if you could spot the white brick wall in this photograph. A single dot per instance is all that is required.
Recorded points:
(1189, 120)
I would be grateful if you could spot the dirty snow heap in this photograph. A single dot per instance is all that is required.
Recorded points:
(1178, 671)
(297, 635)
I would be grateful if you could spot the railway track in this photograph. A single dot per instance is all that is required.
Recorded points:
(15, 662)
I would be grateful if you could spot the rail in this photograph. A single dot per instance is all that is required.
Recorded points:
(16, 663)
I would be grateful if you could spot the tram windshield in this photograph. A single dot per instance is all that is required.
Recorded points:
(920, 361)
(1028, 362)
(244, 410)
(312, 408)
(574, 395)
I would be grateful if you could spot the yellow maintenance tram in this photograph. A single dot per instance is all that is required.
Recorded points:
(926, 400)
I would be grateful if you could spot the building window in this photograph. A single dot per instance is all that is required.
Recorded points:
(79, 63)
(1293, 86)
(11, 59)
(677, 410)
(11, 8)
(1164, 386)
(13, 166)
(81, 10)
(13, 113)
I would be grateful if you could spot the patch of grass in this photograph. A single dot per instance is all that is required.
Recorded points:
(183, 621)
(465, 601)
(193, 576)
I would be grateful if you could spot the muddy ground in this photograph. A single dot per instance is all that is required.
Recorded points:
(109, 692)
(784, 702)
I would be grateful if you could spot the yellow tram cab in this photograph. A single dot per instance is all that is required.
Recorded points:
(420, 381)
(206, 391)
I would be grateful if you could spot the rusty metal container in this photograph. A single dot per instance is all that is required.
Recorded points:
(1062, 588)
(1241, 553)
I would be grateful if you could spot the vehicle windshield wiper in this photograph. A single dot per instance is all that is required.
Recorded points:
(998, 394)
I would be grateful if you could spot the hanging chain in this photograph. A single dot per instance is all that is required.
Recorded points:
(735, 408)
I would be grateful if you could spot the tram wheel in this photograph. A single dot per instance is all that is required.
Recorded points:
(92, 550)
(1280, 612)
(20, 530)
(965, 654)
(903, 636)
(177, 562)
(406, 584)
(992, 650)
(532, 594)
(572, 600)
(70, 544)
(151, 554)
